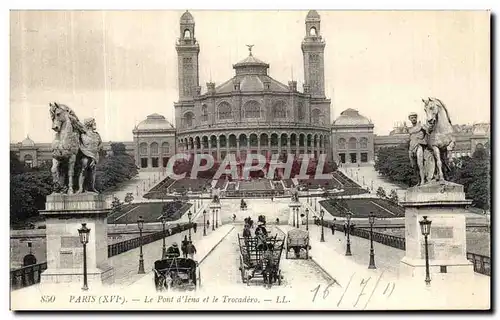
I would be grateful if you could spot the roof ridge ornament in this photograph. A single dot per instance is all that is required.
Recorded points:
(250, 46)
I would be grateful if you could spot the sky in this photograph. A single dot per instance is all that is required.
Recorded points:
(120, 66)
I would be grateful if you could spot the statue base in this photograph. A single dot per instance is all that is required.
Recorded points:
(443, 204)
(293, 216)
(64, 215)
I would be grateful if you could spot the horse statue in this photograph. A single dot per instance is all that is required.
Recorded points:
(440, 135)
(73, 141)
(65, 147)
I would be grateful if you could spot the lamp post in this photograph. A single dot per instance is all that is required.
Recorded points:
(189, 217)
(164, 248)
(315, 203)
(293, 212)
(307, 219)
(425, 227)
(84, 233)
(137, 190)
(371, 218)
(140, 224)
(204, 222)
(321, 215)
(348, 249)
(334, 225)
(213, 219)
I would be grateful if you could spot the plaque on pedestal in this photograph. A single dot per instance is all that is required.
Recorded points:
(64, 215)
(443, 204)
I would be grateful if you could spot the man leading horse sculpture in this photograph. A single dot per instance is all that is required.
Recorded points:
(73, 141)
(431, 143)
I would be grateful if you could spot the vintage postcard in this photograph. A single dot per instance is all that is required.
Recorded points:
(250, 160)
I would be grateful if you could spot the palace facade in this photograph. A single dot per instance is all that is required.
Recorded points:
(254, 113)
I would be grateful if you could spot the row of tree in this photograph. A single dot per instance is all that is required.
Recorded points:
(30, 186)
(474, 172)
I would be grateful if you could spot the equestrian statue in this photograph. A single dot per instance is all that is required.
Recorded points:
(73, 143)
(431, 143)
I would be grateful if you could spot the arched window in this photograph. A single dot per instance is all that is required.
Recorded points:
(143, 149)
(154, 149)
(224, 111)
(342, 143)
(279, 110)
(165, 148)
(363, 143)
(187, 34)
(352, 144)
(302, 111)
(204, 113)
(312, 31)
(251, 110)
(188, 120)
(316, 116)
(28, 161)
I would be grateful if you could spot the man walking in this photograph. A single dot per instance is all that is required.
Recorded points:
(191, 250)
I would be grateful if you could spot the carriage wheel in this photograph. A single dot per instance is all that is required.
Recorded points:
(248, 280)
(279, 277)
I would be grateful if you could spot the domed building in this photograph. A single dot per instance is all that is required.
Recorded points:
(28, 152)
(154, 139)
(352, 136)
(252, 112)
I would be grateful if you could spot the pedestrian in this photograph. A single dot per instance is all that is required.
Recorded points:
(195, 225)
(184, 247)
(277, 221)
(208, 223)
(191, 250)
(333, 225)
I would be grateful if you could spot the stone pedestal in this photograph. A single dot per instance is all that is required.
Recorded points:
(64, 215)
(215, 206)
(443, 204)
(294, 205)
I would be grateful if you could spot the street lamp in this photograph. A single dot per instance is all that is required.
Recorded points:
(334, 225)
(164, 248)
(213, 219)
(425, 227)
(307, 219)
(348, 249)
(140, 224)
(84, 233)
(293, 218)
(189, 217)
(371, 218)
(315, 203)
(321, 215)
(204, 222)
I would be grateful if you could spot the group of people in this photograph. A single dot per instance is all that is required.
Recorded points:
(188, 249)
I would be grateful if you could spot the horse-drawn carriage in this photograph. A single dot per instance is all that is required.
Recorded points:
(260, 260)
(297, 240)
(176, 273)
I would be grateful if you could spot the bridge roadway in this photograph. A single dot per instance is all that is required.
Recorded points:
(303, 281)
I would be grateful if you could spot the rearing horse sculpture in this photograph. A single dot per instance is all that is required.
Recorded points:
(440, 138)
(64, 147)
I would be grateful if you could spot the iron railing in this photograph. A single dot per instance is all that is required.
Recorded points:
(482, 264)
(124, 246)
(26, 276)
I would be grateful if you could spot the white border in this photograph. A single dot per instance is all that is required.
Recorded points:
(181, 5)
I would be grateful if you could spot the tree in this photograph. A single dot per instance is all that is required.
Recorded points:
(116, 203)
(381, 193)
(16, 166)
(474, 173)
(118, 148)
(129, 198)
(393, 196)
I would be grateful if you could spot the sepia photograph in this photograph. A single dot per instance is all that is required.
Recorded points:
(250, 160)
